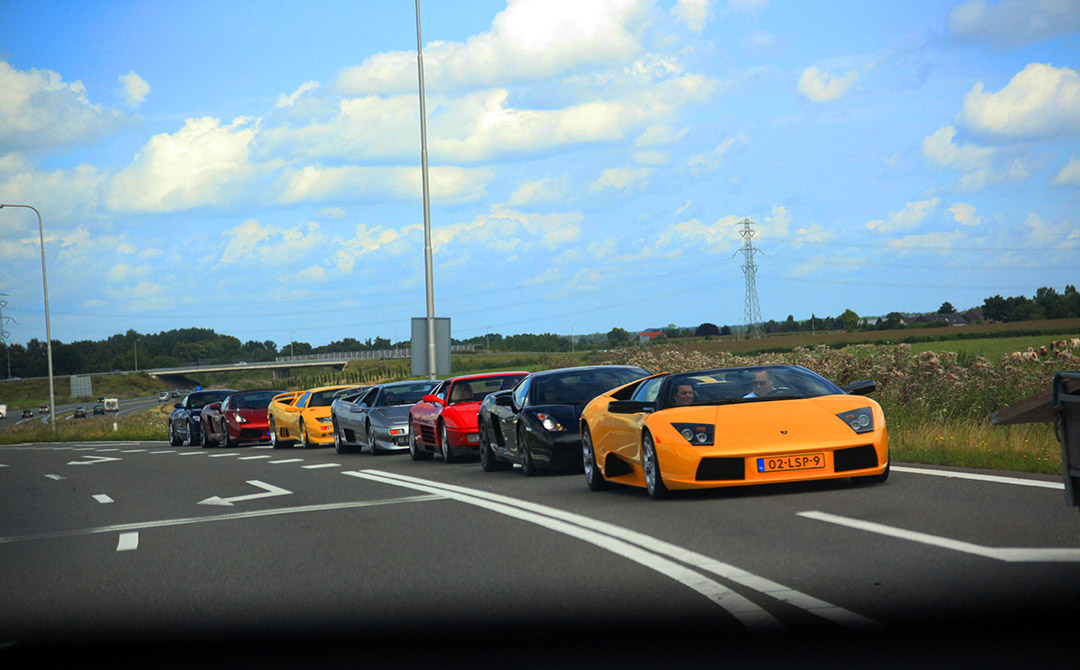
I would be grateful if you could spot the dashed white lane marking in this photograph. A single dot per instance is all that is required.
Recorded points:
(164, 451)
(1009, 555)
(753, 617)
(288, 460)
(102, 498)
(983, 478)
(252, 458)
(127, 542)
(112, 449)
(218, 517)
(223, 455)
(3, 465)
(56, 477)
(131, 451)
(191, 453)
(321, 465)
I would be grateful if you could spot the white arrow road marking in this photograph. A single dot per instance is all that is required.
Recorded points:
(1007, 554)
(56, 477)
(91, 460)
(270, 489)
(128, 542)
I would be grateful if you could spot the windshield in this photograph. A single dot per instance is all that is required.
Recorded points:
(749, 384)
(204, 399)
(577, 387)
(475, 390)
(405, 394)
(254, 400)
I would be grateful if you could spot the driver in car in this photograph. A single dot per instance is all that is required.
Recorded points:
(761, 386)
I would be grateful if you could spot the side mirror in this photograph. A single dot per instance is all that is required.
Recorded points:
(504, 400)
(176, 405)
(433, 399)
(860, 388)
(213, 406)
(629, 407)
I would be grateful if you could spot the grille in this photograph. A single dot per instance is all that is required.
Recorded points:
(251, 433)
(855, 458)
(721, 468)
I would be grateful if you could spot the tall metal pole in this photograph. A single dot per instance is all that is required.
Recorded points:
(48, 328)
(428, 271)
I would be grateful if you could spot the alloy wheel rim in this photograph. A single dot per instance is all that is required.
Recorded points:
(650, 470)
(586, 448)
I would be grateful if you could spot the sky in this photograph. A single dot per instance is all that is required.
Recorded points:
(255, 167)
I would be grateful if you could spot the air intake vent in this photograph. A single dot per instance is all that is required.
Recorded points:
(720, 469)
(855, 458)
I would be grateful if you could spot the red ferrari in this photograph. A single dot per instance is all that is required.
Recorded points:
(238, 419)
(445, 420)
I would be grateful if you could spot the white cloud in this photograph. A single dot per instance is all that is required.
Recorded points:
(1069, 174)
(530, 39)
(1061, 236)
(71, 194)
(313, 273)
(651, 157)
(707, 162)
(694, 13)
(621, 179)
(202, 164)
(910, 217)
(659, 134)
(777, 223)
(820, 86)
(39, 110)
(1040, 101)
(134, 88)
(122, 272)
(964, 214)
(446, 184)
(937, 241)
(540, 191)
(981, 166)
(1012, 23)
(719, 237)
(290, 100)
(244, 239)
(759, 40)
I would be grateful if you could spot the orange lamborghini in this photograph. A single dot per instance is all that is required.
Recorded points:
(302, 416)
(733, 427)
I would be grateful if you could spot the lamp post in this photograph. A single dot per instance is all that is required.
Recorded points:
(48, 328)
(428, 269)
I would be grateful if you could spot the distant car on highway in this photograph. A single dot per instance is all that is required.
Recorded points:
(163, 396)
(376, 417)
(185, 423)
(27, 413)
(241, 418)
(99, 409)
(43, 409)
(303, 416)
(80, 413)
(174, 394)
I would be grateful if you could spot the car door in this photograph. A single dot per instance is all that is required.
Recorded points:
(291, 417)
(358, 413)
(508, 422)
(621, 433)
(424, 414)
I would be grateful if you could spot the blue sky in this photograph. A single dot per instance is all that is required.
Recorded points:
(254, 167)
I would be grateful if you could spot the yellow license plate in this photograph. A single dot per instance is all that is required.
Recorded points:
(791, 462)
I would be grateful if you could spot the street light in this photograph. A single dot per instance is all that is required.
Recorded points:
(48, 329)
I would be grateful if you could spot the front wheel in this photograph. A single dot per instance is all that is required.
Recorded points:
(528, 467)
(371, 441)
(444, 440)
(593, 477)
(174, 439)
(305, 443)
(654, 483)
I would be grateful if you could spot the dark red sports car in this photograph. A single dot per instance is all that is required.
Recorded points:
(446, 419)
(240, 418)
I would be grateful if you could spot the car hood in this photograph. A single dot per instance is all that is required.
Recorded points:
(393, 414)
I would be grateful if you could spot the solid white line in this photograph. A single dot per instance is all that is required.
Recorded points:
(223, 455)
(1007, 554)
(251, 458)
(997, 479)
(220, 517)
(321, 465)
(812, 605)
(753, 617)
(102, 498)
(288, 460)
(128, 542)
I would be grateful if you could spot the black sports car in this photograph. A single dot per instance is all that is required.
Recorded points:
(536, 422)
(185, 422)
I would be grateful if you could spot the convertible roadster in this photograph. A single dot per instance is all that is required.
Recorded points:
(733, 427)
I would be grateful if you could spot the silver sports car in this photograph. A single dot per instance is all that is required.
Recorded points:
(378, 417)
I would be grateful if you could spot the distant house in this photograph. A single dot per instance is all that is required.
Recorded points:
(953, 319)
(647, 336)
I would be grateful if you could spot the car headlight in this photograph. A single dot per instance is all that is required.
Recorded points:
(549, 422)
(696, 433)
(859, 420)
(324, 419)
(239, 417)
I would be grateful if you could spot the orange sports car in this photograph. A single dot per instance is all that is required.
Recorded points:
(303, 416)
(733, 427)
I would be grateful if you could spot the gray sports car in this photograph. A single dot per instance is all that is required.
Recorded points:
(377, 417)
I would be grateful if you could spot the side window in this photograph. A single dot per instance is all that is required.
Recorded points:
(369, 399)
(301, 402)
(440, 391)
(521, 392)
(648, 391)
(225, 404)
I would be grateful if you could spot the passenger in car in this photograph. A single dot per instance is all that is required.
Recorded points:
(683, 395)
(761, 386)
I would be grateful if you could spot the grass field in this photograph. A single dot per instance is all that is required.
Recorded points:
(992, 349)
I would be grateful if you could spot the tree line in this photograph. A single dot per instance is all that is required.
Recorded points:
(202, 346)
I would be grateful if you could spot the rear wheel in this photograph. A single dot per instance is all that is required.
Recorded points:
(444, 441)
(654, 483)
(593, 477)
(528, 468)
(275, 441)
(340, 444)
(488, 460)
(416, 452)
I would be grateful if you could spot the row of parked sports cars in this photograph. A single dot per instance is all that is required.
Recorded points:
(620, 424)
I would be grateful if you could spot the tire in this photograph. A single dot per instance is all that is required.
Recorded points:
(174, 440)
(444, 443)
(228, 443)
(416, 452)
(207, 443)
(304, 443)
(371, 441)
(593, 477)
(275, 441)
(339, 442)
(654, 482)
(528, 467)
(874, 479)
(194, 437)
(488, 460)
